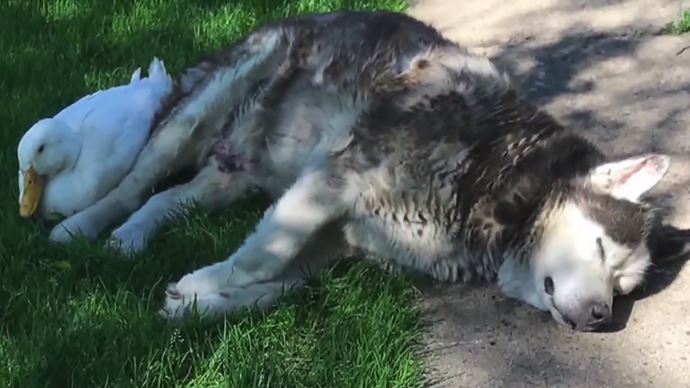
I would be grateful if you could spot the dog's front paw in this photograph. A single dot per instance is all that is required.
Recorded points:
(211, 291)
(177, 306)
(180, 307)
(70, 229)
(203, 281)
(127, 240)
(213, 278)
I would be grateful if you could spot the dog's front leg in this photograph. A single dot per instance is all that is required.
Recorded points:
(279, 237)
(325, 246)
(211, 189)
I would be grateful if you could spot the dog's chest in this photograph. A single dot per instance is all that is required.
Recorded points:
(413, 225)
(407, 243)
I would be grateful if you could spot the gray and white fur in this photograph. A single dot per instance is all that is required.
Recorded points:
(375, 134)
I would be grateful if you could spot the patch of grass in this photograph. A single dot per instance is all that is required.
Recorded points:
(681, 26)
(79, 316)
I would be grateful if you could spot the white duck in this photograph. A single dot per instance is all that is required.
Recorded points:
(70, 161)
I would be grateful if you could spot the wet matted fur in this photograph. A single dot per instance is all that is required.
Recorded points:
(375, 133)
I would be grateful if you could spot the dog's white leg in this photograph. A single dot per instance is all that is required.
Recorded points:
(280, 235)
(211, 189)
(173, 143)
(325, 246)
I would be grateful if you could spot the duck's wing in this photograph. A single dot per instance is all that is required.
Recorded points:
(134, 104)
(108, 153)
(111, 142)
(75, 113)
(119, 124)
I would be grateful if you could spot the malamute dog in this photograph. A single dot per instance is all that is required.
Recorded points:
(376, 134)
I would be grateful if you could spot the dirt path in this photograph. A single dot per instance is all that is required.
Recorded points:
(605, 67)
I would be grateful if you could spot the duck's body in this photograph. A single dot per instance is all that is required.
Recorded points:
(85, 150)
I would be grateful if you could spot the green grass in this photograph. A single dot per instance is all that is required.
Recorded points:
(681, 26)
(79, 316)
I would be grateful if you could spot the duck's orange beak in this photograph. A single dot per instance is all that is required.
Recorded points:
(33, 189)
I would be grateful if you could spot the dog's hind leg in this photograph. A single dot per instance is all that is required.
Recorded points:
(197, 116)
(324, 247)
(211, 189)
(316, 199)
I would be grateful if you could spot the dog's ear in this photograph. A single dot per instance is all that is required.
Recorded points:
(666, 243)
(630, 178)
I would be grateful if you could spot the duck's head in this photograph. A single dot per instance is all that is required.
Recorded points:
(47, 148)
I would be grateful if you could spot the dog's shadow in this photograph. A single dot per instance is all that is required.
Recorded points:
(658, 278)
(670, 250)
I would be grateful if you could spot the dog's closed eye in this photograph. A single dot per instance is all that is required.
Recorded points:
(602, 253)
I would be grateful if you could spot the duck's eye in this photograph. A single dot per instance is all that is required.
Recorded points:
(41, 148)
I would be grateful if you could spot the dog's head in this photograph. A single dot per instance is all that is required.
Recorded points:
(597, 241)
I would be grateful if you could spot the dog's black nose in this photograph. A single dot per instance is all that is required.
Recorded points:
(601, 314)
